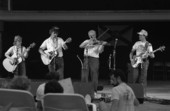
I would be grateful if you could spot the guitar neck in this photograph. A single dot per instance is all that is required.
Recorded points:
(27, 49)
(155, 50)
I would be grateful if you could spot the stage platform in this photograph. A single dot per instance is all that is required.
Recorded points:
(155, 89)
(158, 96)
(159, 89)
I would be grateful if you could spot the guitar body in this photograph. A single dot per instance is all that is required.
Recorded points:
(9, 65)
(45, 60)
(136, 61)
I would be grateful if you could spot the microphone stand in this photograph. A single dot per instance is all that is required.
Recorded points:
(114, 55)
(110, 61)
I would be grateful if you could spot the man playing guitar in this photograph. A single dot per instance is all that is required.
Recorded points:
(51, 52)
(141, 47)
(17, 54)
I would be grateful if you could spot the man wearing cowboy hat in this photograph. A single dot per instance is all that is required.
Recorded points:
(143, 50)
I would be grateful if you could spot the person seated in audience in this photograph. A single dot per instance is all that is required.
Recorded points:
(122, 95)
(7, 107)
(4, 83)
(51, 86)
(20, 83)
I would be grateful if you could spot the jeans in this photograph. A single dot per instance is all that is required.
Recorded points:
(57, 65)
(92, 68)
(140, 74)
(20, 69)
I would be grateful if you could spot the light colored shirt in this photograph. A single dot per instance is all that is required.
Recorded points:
(92, 51)
(49, 45)
(40, 92)
(125, 96)
(139, 46)
(15, 52)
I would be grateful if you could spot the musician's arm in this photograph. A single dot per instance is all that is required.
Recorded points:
(64, 45)
(133, 50)
(25, 52)
(101, 47)
(42, 48)
(105, 43)
(151, 54)
(131, 54)
(8, 52)
(84, 44)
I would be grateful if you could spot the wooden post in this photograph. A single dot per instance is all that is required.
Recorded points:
(1, 30)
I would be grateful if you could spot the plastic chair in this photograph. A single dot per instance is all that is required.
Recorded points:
(65, 102)
(20, 100)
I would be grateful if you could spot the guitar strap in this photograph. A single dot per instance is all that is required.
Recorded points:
(146, 48)
(17, 54)
(17, 51)
(22, 52)
(146, 45)
(55, 45)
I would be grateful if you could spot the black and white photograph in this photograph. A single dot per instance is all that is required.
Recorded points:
(84, 55)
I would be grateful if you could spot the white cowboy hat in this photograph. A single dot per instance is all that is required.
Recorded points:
(143, 32)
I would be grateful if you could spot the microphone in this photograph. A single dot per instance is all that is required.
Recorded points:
(115, 43)
(110, 60)
(116, 40)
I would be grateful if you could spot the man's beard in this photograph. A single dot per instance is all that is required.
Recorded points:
(114, 85)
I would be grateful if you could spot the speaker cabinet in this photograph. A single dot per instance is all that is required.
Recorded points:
(139, 91)
(84, 88)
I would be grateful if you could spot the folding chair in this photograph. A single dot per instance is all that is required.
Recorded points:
(65, 102)
(20, 100)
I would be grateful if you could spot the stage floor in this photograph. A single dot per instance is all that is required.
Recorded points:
(155, 89)
(159, 89)
(158, 96)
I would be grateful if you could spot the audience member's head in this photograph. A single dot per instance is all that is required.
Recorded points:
(21, 83)
(4, 83)
(52, 75)
(53, 86)
(117, 76)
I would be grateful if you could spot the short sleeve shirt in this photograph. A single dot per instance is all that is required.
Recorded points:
(49, 45)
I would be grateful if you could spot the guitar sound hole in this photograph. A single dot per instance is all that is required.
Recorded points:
(12, 63)
(50, 57)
